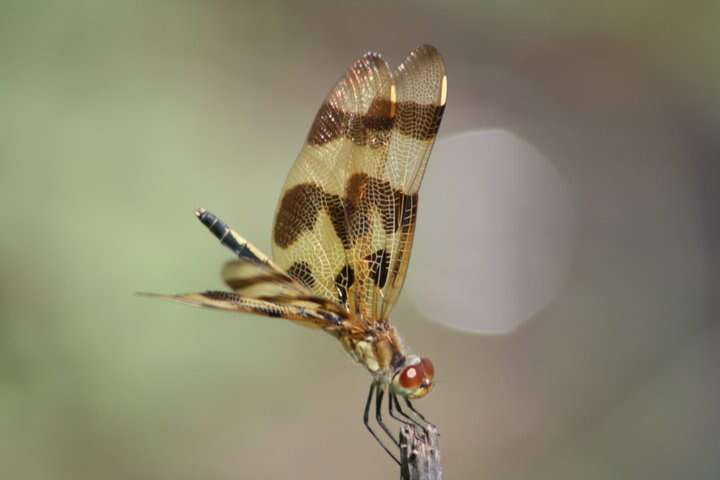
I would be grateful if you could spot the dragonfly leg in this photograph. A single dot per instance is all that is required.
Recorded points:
(378, 414)
(366, 421)
(413, 421)
(402, 418)
(410, 406)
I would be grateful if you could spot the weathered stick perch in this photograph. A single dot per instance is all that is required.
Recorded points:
(420, 453)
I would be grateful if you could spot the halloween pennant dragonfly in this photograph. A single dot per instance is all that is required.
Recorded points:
(345, 224)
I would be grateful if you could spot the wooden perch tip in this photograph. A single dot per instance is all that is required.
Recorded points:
(420, 453)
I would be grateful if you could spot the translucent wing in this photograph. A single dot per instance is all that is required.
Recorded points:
(305, 313)
(262, 287)
(320, 219)
(266, 282)
(347, 211)
(386, 188)
(421, 85)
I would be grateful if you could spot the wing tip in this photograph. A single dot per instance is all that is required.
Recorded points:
(426, 48)
(424, 52)
(372, 54)
(187, 299)
(146, 294)
(424, 64)
(153, 295)
(370, 61)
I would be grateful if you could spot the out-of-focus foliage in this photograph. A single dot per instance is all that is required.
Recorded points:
(118, 119)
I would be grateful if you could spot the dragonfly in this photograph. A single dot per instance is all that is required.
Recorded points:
(344, 227)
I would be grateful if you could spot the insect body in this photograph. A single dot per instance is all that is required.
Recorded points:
(345, 224)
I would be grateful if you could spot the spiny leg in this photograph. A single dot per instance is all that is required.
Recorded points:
(366, 418)
(392, 401)
(378, 414)
(405, 415)
(410, 405)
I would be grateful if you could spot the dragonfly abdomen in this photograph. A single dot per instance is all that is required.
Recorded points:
(228, 237)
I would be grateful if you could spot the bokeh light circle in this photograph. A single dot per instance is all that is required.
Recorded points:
(495, 233)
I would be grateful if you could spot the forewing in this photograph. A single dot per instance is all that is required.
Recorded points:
(347, 213)
(316, 232)
(385, 189)
(421, 86)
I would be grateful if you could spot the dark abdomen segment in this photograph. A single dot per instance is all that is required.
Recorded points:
(223, 232)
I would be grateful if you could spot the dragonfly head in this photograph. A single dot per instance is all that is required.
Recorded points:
(414, 378)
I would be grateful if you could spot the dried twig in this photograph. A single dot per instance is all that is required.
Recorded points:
(420, 453)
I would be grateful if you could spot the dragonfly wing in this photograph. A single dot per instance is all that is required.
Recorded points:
(421, 84)
(322, 226)
(347, 213)
(306, 313)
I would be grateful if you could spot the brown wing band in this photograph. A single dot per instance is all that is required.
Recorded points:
(350, 216)
(243, 283)
(418, 121)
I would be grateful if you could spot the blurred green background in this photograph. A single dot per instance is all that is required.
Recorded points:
(117, 119)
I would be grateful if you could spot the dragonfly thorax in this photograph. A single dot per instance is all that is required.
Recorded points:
(383, 354)
(379, 350)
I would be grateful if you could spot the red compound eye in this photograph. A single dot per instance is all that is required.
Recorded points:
(412, 377)
(428, 367)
